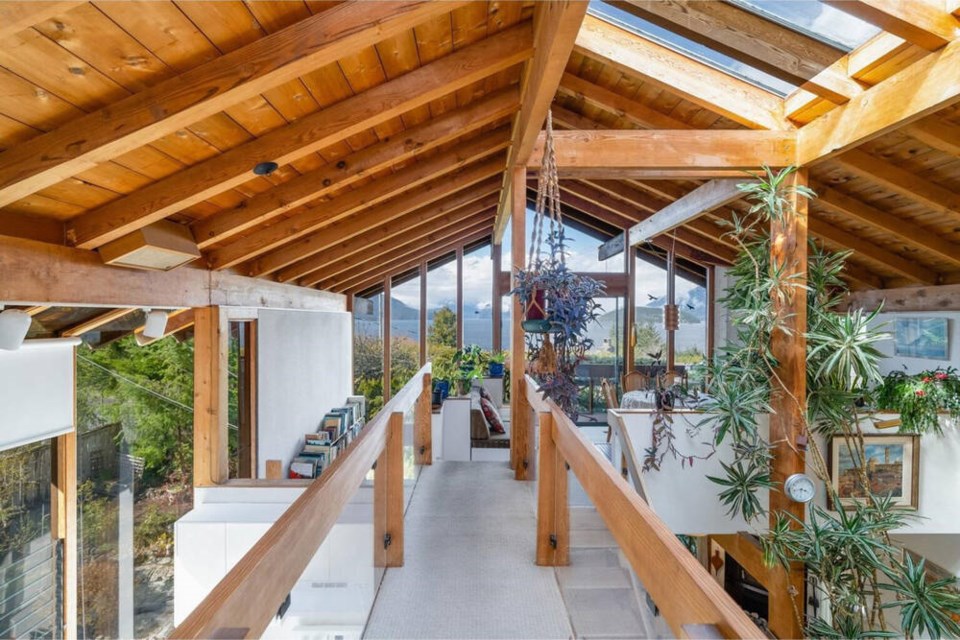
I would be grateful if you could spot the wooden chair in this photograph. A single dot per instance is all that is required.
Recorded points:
(634, 381)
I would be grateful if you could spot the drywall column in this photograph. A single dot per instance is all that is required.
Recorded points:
(788, 398)
(209, 397)
(521, 424)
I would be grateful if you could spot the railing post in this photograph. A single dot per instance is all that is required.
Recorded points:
(521, 433)
(388, 498)
(422, 424)
(553, 511)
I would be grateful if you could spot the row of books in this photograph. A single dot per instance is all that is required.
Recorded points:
(338, 428)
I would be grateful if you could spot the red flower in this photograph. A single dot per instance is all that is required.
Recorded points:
(942, 376)
(927, 379)
(920, 392)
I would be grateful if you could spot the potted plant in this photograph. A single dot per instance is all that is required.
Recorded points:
(920, 399)
(495, 364)
(465, 377)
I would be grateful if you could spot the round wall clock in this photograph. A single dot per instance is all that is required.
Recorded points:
(800, 488)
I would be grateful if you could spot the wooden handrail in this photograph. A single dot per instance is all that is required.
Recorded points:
(245, 601)
(684, 591)
(534, 397)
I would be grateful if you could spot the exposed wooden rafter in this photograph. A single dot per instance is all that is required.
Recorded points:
(96, 322)
(555, 29)
(203, 91)
(638, 114)
(301, 137)
(913, 299)
(926, 23)
(713, 90)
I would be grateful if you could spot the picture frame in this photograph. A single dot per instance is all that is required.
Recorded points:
(893, 463)
(922, 338)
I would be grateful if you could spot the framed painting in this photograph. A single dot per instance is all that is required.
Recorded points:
(922, 338)
(892, 467)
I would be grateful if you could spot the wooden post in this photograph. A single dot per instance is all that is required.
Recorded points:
(672, 302)
(520, 413)
(460, 297)
(496, 255)
(63, 522)
(788, 397)
(388, 498)
(423, 313)
(553, 511)
(422, 424)
(247, 391)
(711, 312)
(387, 294)
(630, 316)
(210, 465)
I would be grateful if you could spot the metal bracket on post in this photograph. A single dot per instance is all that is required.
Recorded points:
(553, 540)
(423, 449)
(387, 540)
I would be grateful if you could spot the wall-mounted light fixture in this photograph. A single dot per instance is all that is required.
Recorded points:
(14, 325)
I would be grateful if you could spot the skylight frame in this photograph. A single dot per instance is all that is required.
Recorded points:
(756, 7)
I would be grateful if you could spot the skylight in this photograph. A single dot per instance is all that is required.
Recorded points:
(689, 48)
(815, 19)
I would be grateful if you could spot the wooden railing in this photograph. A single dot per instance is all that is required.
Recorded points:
(247, 599)
(691, 601)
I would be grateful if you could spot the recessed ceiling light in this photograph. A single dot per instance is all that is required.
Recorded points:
(265, 168)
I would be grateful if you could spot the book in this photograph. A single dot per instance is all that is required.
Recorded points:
(303, 467)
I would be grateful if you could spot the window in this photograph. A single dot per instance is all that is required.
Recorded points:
(368, 351)
(404, 330)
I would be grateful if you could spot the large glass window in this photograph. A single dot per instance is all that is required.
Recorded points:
(649, 337)
(404, 331)
(477, 295)
(442, 315)
(368, 351)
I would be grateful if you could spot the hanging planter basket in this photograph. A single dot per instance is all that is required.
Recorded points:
(535, 313)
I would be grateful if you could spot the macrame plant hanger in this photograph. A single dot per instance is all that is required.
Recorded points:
(547, 207)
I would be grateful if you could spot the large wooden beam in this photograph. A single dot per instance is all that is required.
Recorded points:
(932, 83)
(623, 153)
(203, 91)
(36, 273)
(675, 73)
(912, 299)
(414, 184)
(925, 23)
(347, 171)
(380, 242)
(704, 198)
(302, 137)
(210, 459)
(555, 27)
(750, 38)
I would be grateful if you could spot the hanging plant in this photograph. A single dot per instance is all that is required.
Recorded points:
(558, 304)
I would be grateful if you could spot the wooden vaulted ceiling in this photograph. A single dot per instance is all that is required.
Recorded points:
(393, 124)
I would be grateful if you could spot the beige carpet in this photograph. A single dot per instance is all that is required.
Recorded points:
(469, 570)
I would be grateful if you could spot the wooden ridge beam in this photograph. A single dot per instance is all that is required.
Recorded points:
(845, 205)
(472, 218)
(925, 23)
(391, 151)
(555, 27)
(907, 184)
(704, 198)
(302, 137)
(96, 322)
(301, 229)
(912, 299)
(204, 91)
(36, 273)
(316, 215)
(637, 114)
(600, 154)
(932, 83)
(383, 239)
(361, 282)
(750, 38)
(675, 73)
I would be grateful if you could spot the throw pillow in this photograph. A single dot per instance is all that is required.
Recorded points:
(491, 416)
(485, 394)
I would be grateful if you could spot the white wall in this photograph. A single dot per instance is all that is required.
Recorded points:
(915, 365)
(940, 549)
(305, 368)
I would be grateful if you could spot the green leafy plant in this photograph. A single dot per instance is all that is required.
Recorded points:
(919, 399)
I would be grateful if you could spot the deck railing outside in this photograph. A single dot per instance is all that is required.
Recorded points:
(691, 601)
(247, 599)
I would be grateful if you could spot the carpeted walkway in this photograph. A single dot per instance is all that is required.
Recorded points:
(468, 562)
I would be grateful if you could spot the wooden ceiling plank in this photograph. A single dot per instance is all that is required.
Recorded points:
(377, 238)
(302, 137)
(203, 91)
(17, 16)
(632, 111)
(936, 133)
(83, 280)
(908, 268)
(907, 184)
(845, 205)
(704, 198)
(932, 83)
(705, 86)
(315, 184)
(555, 27)
(96, 322)
(469, 186)
(913, 299)
(602, 154)
(750, 38)
(420, 183)
(368, 276)
(409, 243)
(925, 23)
